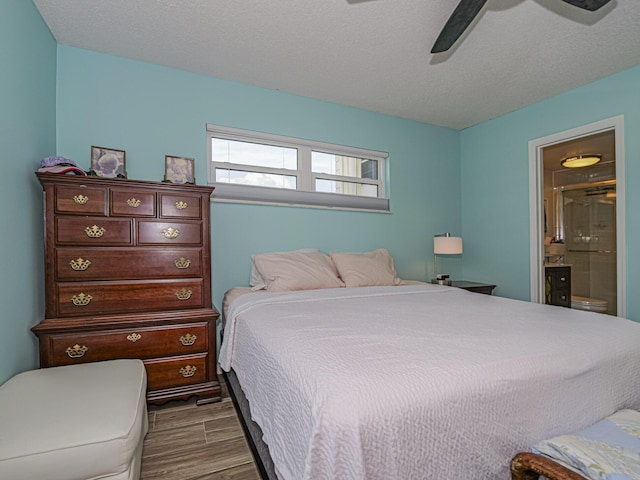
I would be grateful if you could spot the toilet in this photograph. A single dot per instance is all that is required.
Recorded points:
(590, 304)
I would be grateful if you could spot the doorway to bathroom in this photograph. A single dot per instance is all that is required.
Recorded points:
(577, 219)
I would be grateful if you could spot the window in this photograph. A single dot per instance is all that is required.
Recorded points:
(253, 167)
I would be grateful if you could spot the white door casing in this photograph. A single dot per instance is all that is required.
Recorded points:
(536, 211)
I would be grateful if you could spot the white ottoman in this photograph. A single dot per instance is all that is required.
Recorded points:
(77, 422)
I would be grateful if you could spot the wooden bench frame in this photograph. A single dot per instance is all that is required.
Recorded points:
(529, 466)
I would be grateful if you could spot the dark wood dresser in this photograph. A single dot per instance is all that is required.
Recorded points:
(128, 275)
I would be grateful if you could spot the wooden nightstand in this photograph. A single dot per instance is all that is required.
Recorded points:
(474, 286)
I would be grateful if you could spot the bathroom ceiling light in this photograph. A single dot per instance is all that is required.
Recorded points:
(578, 161)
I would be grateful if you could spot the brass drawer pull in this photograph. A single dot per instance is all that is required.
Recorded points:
(134, 337)
(79, 264)
(181, 205)
(76, 351)
(188, 339)
(183, 294)
(94, 232)
(188, 371)
(182, 262)
(80, 199)
(170, 232)
(81, 300)
(133, 202)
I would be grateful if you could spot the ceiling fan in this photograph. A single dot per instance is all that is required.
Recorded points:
(467, 10)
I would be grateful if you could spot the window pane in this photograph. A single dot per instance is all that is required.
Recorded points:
(347, 188)
(257, 154)
(293, 171)
(342, 165)
(256, 178)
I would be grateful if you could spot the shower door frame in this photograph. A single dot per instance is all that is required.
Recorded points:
(560, 229)
(536, 205)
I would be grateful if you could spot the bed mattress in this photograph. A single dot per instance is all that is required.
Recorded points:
(421, 381)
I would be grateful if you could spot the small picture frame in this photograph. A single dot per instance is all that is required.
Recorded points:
(179, 169)
(108, 163)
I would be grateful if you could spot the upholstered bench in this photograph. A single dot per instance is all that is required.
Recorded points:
(607, 450)
(76, 422)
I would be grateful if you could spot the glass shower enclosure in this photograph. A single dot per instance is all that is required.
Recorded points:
(587, 225)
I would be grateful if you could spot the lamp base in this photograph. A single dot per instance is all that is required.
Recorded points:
(441, 281)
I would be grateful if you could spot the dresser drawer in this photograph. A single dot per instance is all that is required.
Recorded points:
(180, 206)
(144, 343)
(121, 297)
(86, 264)
(81, 199)
(92, 231)
(172, 233)
(176, 371)
(130, 202)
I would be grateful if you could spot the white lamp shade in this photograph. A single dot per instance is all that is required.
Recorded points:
(447, 245)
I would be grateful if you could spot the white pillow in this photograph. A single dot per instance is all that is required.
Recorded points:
(367, 269)
(255, 279)
(297, 270)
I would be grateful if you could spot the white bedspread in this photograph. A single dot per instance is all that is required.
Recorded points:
(421, 382)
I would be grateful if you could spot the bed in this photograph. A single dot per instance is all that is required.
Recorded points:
(418, 381)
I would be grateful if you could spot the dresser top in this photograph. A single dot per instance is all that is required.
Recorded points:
(78, 180)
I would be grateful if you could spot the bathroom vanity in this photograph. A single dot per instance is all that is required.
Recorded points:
(557, 284)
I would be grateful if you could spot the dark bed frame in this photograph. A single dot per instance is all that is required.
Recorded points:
(252, 430)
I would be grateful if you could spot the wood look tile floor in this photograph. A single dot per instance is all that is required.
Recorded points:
(189, 442)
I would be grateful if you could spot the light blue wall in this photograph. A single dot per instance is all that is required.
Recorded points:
(473, 182)
(150, 111)
(495, 181)
(27, 134)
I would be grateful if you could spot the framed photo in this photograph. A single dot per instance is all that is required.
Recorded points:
(108, 163)
(179, 169)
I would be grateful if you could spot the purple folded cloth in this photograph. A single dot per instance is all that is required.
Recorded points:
(53, 161)
(68, 169)
(60, 165)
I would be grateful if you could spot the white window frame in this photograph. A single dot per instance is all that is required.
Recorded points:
(304, 195)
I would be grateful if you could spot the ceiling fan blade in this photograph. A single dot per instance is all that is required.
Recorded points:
(459, 20)
(591, 5)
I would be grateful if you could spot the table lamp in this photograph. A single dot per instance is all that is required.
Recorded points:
(444, 244)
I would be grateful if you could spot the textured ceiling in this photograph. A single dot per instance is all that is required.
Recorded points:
(368, 54)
